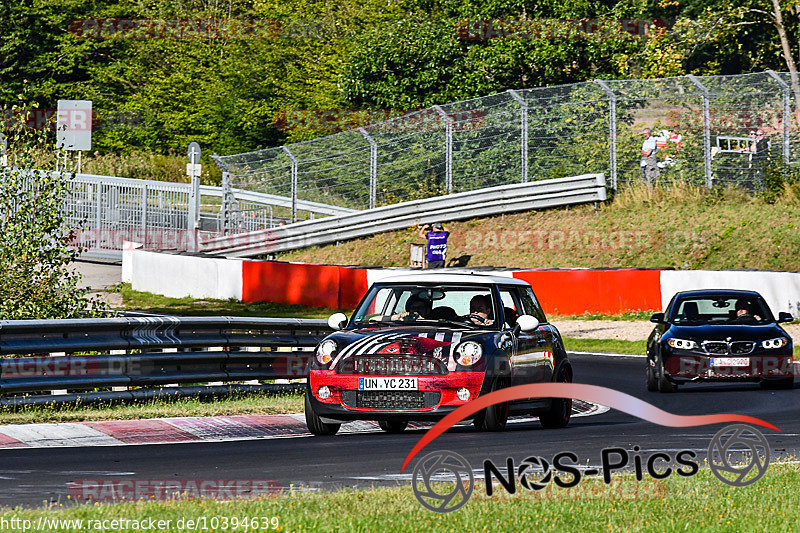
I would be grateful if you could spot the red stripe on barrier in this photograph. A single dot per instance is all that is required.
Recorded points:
(290, 283)
(574, 292)
(352, 286)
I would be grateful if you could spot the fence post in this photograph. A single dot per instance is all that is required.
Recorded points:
(706, 129)
(448, 154)
(523, 112)
(144, 215)
(787, 115)
(373, 166)
(612, 130)
(98, 213)
(228, 199)
(294, 182)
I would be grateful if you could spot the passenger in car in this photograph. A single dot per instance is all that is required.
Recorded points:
(416, 308)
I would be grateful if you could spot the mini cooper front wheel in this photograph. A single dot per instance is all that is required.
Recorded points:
(494, 417)
(315, 424)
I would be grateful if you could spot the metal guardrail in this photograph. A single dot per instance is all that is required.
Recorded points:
(78, 356)
(482, 202)
(156, 213)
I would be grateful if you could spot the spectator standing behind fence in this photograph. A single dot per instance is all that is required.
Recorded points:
(436, 251)
(648, 162)
(759, 156)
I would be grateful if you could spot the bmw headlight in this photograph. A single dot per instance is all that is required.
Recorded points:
(468, 353)
(682, 344)
(326, 350)
(772, 344)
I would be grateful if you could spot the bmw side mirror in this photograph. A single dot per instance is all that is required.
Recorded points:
(337, 321)
(657, 318)
(783, 316)
(527, 323)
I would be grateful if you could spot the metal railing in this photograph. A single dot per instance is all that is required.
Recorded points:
(155, 213)
(459, 206)
(132, 355)
(533, 134)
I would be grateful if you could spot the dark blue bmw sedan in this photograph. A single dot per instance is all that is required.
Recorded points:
(718, 335)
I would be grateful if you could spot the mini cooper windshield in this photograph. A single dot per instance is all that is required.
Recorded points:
(699, 310)
(471, 306)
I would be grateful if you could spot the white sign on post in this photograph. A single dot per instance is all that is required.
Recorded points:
(193, 170)
(74, 125)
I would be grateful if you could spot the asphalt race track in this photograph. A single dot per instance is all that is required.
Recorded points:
(31, 477)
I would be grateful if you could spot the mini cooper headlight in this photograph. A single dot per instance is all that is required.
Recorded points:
(468, 353)
(682, 344)
(772, 344)
(326, 350)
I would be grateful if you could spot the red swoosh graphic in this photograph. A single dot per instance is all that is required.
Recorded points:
(588, 393)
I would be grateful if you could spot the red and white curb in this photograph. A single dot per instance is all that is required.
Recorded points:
(191, 429)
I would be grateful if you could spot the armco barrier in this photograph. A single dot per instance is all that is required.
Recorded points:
(152, 352)
(470, 204)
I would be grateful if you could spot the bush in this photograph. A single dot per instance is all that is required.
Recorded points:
(35, 254)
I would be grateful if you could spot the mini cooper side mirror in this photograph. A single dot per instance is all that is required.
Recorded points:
(337, 321)
(783, 316)
(657, 318)
(527, 323)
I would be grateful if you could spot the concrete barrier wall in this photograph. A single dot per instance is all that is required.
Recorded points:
(179, 275)
(569, 291)
(781, 290)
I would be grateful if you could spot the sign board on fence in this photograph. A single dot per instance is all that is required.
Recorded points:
(74, 125)
(193, 170)
(194, 153)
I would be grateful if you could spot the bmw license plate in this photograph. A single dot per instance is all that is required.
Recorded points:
(388, 383)
(730, 361)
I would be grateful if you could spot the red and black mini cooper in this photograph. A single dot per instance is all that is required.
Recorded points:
(419, 346)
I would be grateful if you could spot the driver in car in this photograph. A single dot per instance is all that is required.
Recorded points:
(480, 310)
(744, 311)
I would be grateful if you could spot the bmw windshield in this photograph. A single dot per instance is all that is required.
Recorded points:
(700, 310)
(471, 306)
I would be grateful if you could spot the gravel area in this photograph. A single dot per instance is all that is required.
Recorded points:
(625, 330)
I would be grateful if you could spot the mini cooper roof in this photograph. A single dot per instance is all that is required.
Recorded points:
(452, 278)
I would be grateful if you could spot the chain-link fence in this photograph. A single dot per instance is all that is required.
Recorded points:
(702, 128)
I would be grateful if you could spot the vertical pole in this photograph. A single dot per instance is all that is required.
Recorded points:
(523, 113)
(706, 129)
(294, 182)
(612, 131)
(373, 166)
(787, 116)
(228, 199)
(143, 223)
(98, 212)
(448, 153)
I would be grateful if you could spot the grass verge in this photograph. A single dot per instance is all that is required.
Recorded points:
(676, 226)
(675, 504)
(605, 345)
(155, 303)
(261, 404)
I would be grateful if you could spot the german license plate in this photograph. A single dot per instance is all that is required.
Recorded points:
(388, 383)
(730, 361)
